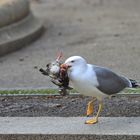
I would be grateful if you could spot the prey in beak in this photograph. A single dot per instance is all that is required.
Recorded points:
(65, 66)
(63, 69)
(58, 74)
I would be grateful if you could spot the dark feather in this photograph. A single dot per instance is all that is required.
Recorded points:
(109, 82)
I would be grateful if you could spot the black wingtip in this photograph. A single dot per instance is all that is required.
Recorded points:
(134, 83)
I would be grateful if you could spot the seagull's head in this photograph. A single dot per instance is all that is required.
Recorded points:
(74, 63)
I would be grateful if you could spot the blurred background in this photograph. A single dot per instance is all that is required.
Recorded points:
(105, 32)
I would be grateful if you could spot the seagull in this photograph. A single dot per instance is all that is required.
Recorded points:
(96, 81)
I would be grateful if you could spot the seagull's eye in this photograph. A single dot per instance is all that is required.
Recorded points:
(72, 61)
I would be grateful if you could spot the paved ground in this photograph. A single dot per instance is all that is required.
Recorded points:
(48, 125)
(105, 32)
(73, 128)
(69, 128)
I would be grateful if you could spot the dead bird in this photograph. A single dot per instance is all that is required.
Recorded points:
(58, 76)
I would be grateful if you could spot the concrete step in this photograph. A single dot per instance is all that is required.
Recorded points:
(69, 128)
(18, 26)
(12, 11)
(16, 36)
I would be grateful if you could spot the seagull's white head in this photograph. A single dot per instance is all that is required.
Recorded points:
(75, 63)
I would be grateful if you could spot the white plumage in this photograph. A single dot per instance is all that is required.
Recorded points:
(95, 81)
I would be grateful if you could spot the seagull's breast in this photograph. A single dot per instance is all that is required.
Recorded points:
(86, 82)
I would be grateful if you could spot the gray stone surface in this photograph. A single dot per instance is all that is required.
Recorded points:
(63, 127)
(18, 35)
(18, 27)
(105, 32)
(12, 11)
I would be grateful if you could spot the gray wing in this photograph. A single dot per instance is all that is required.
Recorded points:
(109, 82)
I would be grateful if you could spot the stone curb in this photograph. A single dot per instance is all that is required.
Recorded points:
(69, 128)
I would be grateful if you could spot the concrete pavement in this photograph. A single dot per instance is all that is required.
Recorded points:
(105, 32)
(70, 128)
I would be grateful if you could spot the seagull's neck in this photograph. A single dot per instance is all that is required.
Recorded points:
(84, 80)
(76, 72)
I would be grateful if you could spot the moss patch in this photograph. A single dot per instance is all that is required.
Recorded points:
(51, 91)
(29, 91)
